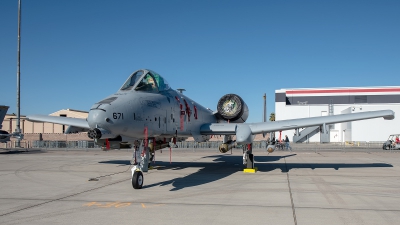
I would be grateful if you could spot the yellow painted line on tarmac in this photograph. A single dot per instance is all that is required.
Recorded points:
(150, 206)
(108, 204)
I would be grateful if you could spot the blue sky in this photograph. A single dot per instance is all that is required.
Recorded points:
(83, 50)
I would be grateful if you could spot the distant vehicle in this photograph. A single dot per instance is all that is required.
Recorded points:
(393, 142)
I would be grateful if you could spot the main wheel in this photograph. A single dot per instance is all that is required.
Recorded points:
(137, 180)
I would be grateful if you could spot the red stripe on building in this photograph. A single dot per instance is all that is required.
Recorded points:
(361, 90)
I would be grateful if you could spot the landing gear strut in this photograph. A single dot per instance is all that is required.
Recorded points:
(248, 158)
(140, 161)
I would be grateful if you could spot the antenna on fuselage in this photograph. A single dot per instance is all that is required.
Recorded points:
(181, 90)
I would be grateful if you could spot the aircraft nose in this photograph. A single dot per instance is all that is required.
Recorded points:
(100, 124)
(97, 118)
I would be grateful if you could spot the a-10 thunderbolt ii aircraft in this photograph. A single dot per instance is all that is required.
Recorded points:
(148, 114)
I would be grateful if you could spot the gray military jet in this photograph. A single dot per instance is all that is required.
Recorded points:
(4, 135)
(146, 113)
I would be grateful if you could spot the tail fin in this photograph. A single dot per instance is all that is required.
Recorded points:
(3, 111)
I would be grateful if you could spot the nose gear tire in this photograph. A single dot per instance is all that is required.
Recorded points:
(137, 180)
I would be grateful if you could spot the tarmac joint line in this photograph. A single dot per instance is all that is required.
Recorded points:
(291, 196)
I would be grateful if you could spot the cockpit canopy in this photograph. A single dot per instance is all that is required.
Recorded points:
(146, 81)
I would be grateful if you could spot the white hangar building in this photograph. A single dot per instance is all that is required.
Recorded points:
(300, 103)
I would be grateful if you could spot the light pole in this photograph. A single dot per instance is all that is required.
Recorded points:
(265, 107)
(18, 128)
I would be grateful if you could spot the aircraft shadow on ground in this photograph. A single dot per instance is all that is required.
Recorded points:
(13, 151)
(225, 165)
(118, 162)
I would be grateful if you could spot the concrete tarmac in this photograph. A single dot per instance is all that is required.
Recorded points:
(200, 187)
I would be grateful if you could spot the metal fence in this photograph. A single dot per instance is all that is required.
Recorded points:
(64, 144)
(51, 144)
(339, 145)
(314, 146)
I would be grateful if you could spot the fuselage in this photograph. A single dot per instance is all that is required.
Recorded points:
(148, 112)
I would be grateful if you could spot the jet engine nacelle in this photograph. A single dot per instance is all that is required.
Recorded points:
(232, 108)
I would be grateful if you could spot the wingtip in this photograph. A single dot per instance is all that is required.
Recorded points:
(389, 117)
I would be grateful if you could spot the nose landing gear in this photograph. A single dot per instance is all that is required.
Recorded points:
(140, 161)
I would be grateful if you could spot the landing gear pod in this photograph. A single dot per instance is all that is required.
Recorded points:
(232, 108)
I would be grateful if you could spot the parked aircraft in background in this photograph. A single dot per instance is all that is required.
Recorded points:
(148, 114)
(4, 135)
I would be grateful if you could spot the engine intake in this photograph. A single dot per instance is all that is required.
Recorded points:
(232, 107)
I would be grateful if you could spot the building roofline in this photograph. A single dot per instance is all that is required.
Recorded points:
(336, 88)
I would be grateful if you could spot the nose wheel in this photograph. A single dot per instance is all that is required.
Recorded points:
(137, 179)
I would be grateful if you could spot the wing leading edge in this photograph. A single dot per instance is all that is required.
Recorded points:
(72, 122)
(244, 131)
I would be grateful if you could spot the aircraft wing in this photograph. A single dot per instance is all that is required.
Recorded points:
(3, 111)
(243, 131)
(72, 122)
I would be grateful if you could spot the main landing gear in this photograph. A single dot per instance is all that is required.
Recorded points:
(248, 159)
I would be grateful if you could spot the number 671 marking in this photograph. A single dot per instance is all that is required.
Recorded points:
(118, 116)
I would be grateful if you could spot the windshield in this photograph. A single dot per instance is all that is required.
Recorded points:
(132, 80)
(147, 81)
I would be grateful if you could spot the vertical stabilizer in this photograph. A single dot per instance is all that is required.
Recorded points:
(3, 111)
